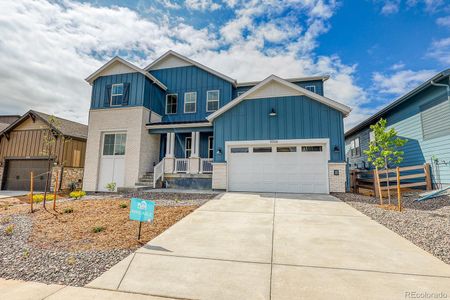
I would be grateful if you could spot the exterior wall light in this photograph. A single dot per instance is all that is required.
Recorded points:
(336, 148)
(272, 113)
(219, 151)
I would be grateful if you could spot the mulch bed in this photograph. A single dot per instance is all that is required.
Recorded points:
(426, 223)
(62, 248)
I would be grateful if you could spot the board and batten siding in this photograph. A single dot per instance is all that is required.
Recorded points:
(298, 117)
(181, 80)
(407, 121)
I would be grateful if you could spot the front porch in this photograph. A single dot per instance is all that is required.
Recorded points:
(186, 158)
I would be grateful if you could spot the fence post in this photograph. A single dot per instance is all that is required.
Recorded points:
(31, 190)
(426, 169)
(399, 191)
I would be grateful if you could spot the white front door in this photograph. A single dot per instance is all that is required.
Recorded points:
(112, 162)
(291, 168)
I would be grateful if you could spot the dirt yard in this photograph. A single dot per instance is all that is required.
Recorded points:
(81, 239)
(426, 224)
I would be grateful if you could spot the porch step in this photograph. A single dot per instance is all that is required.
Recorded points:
(144, 183)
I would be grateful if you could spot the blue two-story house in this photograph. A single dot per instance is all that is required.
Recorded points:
(422, 117)
(179, 122)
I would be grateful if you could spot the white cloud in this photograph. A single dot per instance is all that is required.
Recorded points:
(390, 7)
(202, 5)
(443, 21)
(399, 82)
(170, 4)
(48, 48)
(440, 50)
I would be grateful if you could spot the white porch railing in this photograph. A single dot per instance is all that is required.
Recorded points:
(206, 165)
(158, 172)
(181, 165)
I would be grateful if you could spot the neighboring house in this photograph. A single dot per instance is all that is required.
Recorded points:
(199, 128)
(22, 150)
(422, 116)
(6, 120)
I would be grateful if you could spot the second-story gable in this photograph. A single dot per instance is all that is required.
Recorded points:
(192, 93)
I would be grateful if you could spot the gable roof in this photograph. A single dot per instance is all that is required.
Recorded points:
(119, 60)
(296, 79)
(66, 127)
(273, 78)
(191, 62)
(398, 101)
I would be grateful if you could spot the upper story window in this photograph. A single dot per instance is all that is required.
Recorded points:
(355, 149)
(190, 102)
(116, 94)
(171, 104)
(212, 100)
(311, 88)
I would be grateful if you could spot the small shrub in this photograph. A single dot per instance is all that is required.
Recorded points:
(123, 205)
(5, 220)
(77, 194)
(98, 229)
(68, 210)
(111, 186)
(71, 260)
(38, 198)
(26, 253)
(9, 230)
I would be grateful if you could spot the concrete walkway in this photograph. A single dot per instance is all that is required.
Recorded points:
(278, 246)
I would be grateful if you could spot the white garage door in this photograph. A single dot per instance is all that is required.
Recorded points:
(282, 168)
(112, 161)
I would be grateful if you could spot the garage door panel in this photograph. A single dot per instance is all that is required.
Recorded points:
(18, 174)
(294, 172)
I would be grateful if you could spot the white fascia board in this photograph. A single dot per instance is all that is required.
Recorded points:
(98, 73)
(183, 125)
(336, 105)
(193, 62)
(296, 79)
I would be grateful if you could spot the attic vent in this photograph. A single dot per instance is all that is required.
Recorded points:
(434, 115)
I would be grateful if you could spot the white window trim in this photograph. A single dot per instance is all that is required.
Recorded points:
(212, 145)
(195, 103)
(112, 88)
(185, 146)
(311, 86)
(218, 100)
(167, 98)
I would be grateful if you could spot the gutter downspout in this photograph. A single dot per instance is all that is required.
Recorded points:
(447, 86)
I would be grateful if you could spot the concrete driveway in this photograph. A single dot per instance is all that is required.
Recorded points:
(9, 194)
(278, 246)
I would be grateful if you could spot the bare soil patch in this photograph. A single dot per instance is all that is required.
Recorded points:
(426, 223)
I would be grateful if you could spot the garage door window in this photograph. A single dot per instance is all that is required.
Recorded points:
(114, 144)
(239, 150)
(286, 149)
(262, 149)
(311, 148)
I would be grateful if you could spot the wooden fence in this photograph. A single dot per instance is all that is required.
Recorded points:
(364, 181)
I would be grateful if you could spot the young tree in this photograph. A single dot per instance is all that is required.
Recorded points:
(384, 150)
(49, 140)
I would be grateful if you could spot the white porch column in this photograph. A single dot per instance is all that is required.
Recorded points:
(169, 164)
(194, 160)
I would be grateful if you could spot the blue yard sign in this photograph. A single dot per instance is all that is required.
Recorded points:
(142, 210)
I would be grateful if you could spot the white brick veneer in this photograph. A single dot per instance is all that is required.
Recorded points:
(337, 182)
(219, 177)
(142, 148)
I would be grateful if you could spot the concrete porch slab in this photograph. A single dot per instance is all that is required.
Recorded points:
(195, 278)
(349, 242)
(219, 235)
(290, 282)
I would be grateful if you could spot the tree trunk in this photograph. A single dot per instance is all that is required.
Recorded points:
(48, 170)
(387, 180)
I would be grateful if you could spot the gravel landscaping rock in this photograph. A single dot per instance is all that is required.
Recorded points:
(19, 260)
(426, 224)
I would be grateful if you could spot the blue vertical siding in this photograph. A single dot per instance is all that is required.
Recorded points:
(154, 97)
(406, 119)
(298, 117)
(192, 79)
(136, 93)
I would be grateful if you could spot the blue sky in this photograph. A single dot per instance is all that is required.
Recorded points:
(374, 50)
